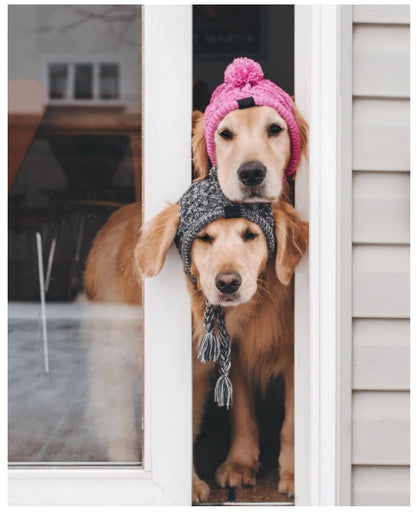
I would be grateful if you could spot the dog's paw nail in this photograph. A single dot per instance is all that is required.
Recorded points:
(287, 486)
(200, 491)
(231, 474)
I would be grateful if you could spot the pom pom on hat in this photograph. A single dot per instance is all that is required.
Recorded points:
(243, 71)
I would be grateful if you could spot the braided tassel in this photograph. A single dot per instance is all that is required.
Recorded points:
(223, 393)
(209, 349)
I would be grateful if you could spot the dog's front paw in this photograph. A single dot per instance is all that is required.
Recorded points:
(200, 490)
(287, 485)
(234, 474)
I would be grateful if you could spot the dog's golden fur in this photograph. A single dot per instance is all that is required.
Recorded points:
(111, 274)
(261, 328)
(250, 142)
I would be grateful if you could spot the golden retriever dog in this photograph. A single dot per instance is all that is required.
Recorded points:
(252, 140)
(259, 322)
(111, 331)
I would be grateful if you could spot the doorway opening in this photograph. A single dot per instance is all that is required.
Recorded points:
(264, 33)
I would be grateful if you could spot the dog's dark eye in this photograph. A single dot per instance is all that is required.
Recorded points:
(205, 238)
(249, 235)
(274, 129)
(226, 134)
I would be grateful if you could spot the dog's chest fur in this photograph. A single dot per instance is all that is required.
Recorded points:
(261, 330)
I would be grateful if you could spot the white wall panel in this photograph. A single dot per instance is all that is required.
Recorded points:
(391, 14)
(381, 285)
(380, 253)
(381, 56)
(381, 354)
(380, 485)
(381, 134)
(381, 427)
(381, 207)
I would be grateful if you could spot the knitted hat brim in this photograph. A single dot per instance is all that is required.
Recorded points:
(219, 213)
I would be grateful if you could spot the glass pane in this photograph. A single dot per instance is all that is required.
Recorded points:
(75, 344)
(109, 81)
(58, 81)
(83, 82)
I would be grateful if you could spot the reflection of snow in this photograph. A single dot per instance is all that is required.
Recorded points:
(88, 408)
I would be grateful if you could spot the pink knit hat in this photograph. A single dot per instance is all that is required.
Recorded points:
(244, 86)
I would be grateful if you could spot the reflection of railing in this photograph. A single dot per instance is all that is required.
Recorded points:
(114, 121)
(91, 145)
(66, 120)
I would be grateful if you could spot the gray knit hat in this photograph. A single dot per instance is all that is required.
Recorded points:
(203, 203)
(200, 205)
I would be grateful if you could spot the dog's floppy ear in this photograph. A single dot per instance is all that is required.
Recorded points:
(156, 237)
(303, 128)
(199, 148)
(292, 234)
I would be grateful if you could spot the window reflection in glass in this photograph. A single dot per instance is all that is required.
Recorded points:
(58, 81)
(83, 81)
(75, 366)
(109, 81)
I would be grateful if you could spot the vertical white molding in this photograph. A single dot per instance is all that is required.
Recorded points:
(322, 369)
(324, 203)
(344, 258)
(167, 106)
(302, 328)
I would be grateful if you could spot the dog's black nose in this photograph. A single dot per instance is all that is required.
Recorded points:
(251, 173)
(228, 282)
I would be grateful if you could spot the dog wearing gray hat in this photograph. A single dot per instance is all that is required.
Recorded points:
(239, 259)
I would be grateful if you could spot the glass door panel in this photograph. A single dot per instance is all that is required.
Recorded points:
(75, 357)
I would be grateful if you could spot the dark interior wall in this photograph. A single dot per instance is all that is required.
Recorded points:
(276, 56)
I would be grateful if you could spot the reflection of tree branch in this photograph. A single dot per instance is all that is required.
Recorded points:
(116, 17)
(110, 14)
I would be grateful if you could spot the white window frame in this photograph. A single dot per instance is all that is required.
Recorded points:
(322, 297)
(95, 63)
(165, 477)
(323, 91)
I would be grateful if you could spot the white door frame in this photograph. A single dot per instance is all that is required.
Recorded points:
(166, 475)
(323, 48)
(323, 295)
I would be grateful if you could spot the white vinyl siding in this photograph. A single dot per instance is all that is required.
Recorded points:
(394, 490)
(380, 281)
(381, 255)
(381, 134)
(377, 49)
(381, 215)
(381, 354)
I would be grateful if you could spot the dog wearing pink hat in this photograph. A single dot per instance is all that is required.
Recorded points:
(252, 132)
